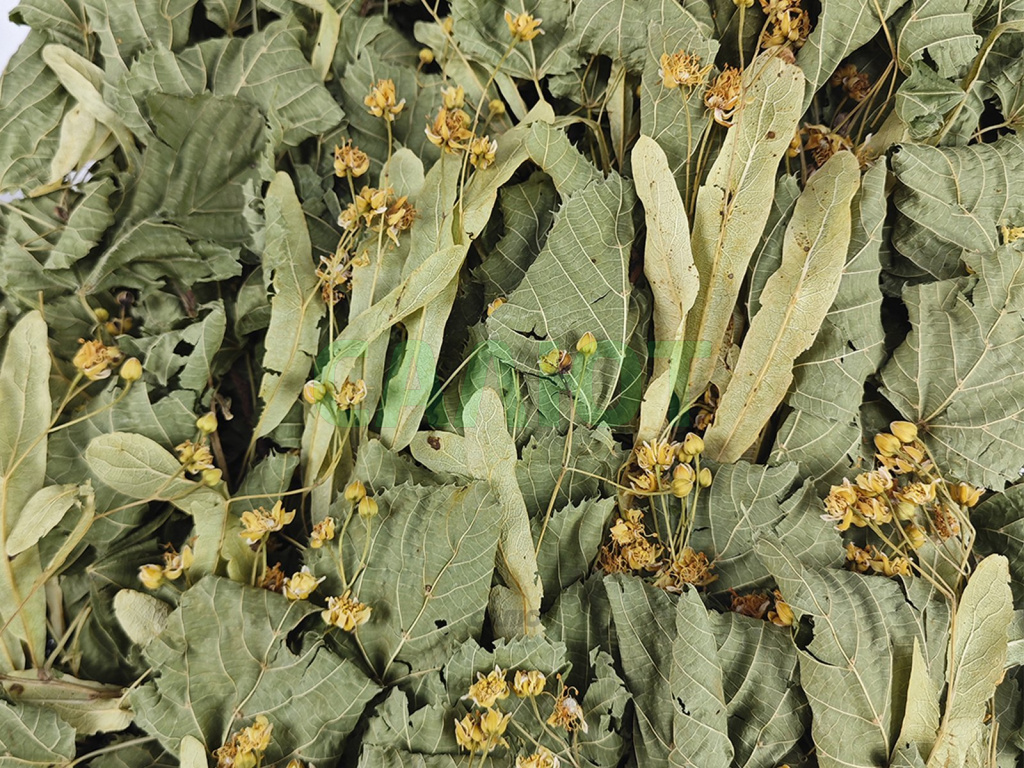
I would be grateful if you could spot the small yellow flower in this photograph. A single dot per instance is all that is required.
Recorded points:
(346, 612)
(782, 615)
(151, 576)
(886, 444)
(557, 361)
(917, 493)
(723, 97)
(450, 130)
(529, 683)
(568, 713)
(453, 98)
(856, 85)
(486, 691)
(212, 477)
(313, 391)
(322, 531)
(351, 394)
(915, 536)
(368, 508)
(259, 522)
(350, 161)
(964, 494)
(95, 359)
(495, 304)
(497, 107)
(381, 100)
(693, 445)
(652, 455)
(689, 567)
(1011, 234)
(207, 423)
(542, 759)
(523, 27)
(482, 732)
(481, 152)
(176, 563)
(704, 477)
(587, 344)
(904, 430)
(131, 370)
(195, 458)
(255, 738)
(301, 584)
(355, 491)
(682, 70)
(426, 56)
(874, 483)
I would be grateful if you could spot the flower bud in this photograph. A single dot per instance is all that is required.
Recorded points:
(426, 56)
(313, 391)
(151, 576)
(704, 477)
(207, 423)
(887, 445)
(587, 345)
(355, 492)
(368, 508)
(131, 370)
(904, 430)
(496, 107)
(681, 488)
(211, 477)
(915, 536)
(101, 314)
(692, 445)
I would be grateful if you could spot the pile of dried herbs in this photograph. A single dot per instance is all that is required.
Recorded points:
(569, 383)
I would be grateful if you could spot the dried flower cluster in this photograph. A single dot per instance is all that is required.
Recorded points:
(788, 24)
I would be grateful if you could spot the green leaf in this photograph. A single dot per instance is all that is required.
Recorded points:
(954, 199)
(578, 283)
(482, 34)
(851, 613)
(296, 309)
(25, 403)
(144, 24)
(88, 707)
(743, 503)
(921, 718)
(32, 103)
(223, 658)
(923, 100)
(491, 455)
(33, 736)
(141, 469)
(823, 434)
(840, 29)
(941, 29)
(956, 374)
(269, 69)
(733, 205)
(141, 616)
(618, 30)
(40, 515)
(570, 543)
(978, 653)
(794, 303)
(675, 119)
(669, 269)
(768, 257)
(196, 173)
(766, 711)
(670, 662)
(430, 574)
(999, 521)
